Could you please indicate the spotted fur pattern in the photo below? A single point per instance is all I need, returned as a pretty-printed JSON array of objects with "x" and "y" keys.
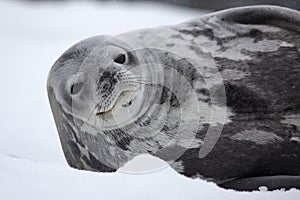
[{"x": 256, "y": 50}]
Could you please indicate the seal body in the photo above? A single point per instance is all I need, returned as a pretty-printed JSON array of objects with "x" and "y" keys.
[{"x": 217, "y": 97}]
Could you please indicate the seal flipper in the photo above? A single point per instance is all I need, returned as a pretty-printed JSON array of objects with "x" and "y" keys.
[{"x": 271, "y": 182}]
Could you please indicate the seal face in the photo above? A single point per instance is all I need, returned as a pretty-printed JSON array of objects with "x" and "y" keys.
[
  {"x": 216, "y": 97},
  {"x": 99, "y": 91}
]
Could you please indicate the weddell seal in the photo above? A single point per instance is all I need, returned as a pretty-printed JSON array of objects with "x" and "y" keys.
[{"x": 216, "y": 97}]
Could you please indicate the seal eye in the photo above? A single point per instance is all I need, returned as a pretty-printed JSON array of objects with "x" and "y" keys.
[
  {"x": 120, "y": 59},
  {"x": 75, "y": 88}
]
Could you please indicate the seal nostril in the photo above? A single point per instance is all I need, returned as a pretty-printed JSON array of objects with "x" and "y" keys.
[
  {"x": 120, "y": 59},
  {"x": 106, "y": 85},
  {"x": 105, "y": 74},
  {"x": 75, "y": 88}
]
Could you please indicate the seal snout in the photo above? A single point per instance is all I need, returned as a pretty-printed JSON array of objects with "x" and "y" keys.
[
  {"x": 112, "y": 88},
  {"x": 107, "y": 82},
  {"x": 106, "y": 91}
]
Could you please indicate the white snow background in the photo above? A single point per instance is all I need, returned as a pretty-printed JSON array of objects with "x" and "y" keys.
[{"x": 32, "y": 166}]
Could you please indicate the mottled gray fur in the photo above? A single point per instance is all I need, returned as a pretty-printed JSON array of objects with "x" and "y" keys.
[{"x": 256, "y": 52}]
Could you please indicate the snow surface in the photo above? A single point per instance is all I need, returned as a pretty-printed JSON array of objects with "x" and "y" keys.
[{"x": 32, "y": 165}]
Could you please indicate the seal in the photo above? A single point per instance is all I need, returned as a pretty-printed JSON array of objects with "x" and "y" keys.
[{"x": 216, "y": 97}]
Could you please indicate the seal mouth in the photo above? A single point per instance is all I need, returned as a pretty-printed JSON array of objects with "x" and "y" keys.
[
  {"x": 111, "y": 107},
  {"x": 105, "y": 112}
]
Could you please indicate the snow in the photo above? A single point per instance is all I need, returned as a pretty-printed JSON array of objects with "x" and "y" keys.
[{"x": 32, "y": 165}]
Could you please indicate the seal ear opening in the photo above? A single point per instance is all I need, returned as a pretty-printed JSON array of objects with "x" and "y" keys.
[{"x": 265, "y": 15}]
